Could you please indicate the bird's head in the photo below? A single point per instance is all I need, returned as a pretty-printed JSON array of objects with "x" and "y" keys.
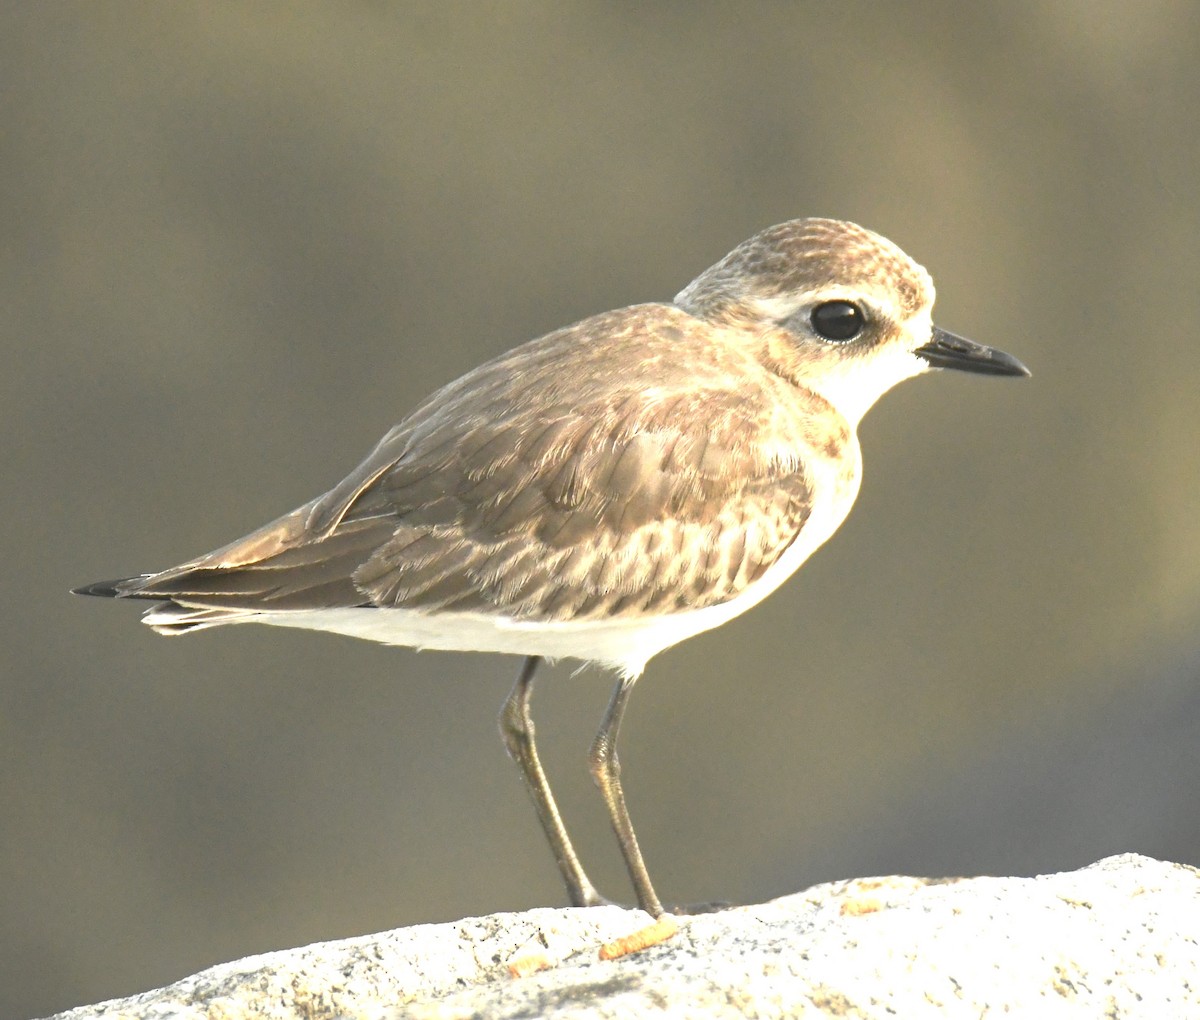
[{"x": 837, "y": 309}]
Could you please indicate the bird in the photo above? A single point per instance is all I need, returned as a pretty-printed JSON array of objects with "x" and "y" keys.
[{"x": 603, "y": 492}]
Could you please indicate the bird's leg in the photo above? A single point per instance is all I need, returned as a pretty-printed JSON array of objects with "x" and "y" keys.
[
  {"x": 516, "y": 726},
  {"x": 606, "y": 770}
]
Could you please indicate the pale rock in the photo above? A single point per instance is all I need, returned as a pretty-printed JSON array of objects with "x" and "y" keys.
[{"x": 1118, "y": 939}]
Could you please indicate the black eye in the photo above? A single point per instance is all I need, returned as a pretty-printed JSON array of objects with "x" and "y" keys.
[{"x": 838, "y": 320}]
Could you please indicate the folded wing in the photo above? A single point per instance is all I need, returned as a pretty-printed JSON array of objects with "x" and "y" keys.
[{"x": 521, "y": 492}]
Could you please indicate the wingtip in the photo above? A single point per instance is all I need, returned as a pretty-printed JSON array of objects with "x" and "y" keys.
[{"x": 102, "y": 589}]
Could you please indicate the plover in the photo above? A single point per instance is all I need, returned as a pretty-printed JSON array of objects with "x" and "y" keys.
[{"x": 605, "y": 491}]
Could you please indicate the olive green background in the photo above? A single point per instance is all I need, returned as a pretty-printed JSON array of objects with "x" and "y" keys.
[{"x": 241, "y": 240}]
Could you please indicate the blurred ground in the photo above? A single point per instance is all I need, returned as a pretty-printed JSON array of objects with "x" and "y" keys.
[{"x": 240, "y": 241}]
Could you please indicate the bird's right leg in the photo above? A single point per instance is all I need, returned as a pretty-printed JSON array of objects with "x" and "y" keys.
[{"x": 516, "y": 726}]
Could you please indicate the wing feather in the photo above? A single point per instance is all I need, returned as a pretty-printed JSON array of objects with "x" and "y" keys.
[
  {"x": 569, "y": 479},
  {"x": 620, "y": 516}
]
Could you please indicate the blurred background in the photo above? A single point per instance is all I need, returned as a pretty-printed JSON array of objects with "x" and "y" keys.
[{"x": 242, "y": 240}]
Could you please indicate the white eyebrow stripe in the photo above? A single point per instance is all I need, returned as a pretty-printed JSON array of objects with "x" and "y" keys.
[
  {"x": 784, "y": 306},
  {"x": 781, "y": 307}
]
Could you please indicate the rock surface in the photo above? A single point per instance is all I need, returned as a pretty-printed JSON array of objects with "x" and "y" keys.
[{"x": 1118, "y": 939}]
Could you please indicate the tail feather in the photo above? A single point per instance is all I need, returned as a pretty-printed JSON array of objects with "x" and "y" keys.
[{"x": 171, "y": 618}]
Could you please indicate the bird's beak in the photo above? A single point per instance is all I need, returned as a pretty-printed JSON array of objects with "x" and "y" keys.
[{"x": 945, "y": 350}]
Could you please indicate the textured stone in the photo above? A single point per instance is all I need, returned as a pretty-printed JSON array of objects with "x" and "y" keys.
[{"x": 1118, "y": 939}]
